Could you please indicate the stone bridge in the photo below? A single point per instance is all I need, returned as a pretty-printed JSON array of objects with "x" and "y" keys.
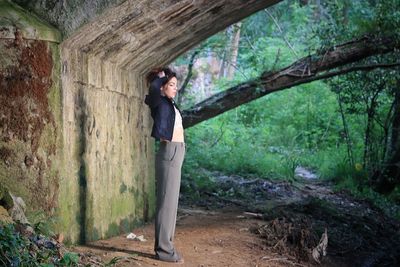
[{"x": 74, "y": 131}]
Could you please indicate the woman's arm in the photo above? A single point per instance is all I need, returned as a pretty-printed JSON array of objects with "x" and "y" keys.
[{"x": 154, "y": 97}]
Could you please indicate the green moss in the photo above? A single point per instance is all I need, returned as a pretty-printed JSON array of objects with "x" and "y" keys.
[
  {"x": 93, "y": 235},
  {"x": 132, "y": 190},
  {"x": 88, "y": 230},
  {"x": 112, "y": 230},
  {"x": 12, "y": 175},
  {"x": 68, "y": 241},
  {"x": 31, "y": 26},
  {"x": 5, "y": 198},
  {"x": 126, "y": 225},
  {"x": 123, "y": 188}
]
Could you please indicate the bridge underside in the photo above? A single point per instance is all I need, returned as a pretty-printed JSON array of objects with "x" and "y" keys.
[{"x": 106, "y": 177}]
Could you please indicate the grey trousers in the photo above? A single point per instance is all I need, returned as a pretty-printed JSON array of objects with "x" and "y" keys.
[{"x": 169, "y": 159}]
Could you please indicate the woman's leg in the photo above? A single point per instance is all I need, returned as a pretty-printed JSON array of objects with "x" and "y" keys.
[{"x": 168, "y": 176}]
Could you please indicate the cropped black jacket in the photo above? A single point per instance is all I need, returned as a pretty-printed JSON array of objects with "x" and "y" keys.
[{"x": 162, "y": 111}]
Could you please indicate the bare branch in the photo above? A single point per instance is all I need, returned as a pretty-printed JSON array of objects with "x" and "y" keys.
[{"x": 282, "y": 33}]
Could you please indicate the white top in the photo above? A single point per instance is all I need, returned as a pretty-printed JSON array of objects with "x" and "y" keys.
[
  {"x": 177, "y": 135},
  {"x": 178, "y": 119}
]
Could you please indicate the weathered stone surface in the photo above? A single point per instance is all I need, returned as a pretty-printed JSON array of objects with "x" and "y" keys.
[
  {"x": 68, "y": 15},
  {"x": 30, "y": 108},
  {"x": 17, "y": 212},
  {"x": 14, "y": 20}
]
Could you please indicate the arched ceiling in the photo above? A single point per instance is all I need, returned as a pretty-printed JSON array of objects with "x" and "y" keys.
[{"x": 137, "y": 35}]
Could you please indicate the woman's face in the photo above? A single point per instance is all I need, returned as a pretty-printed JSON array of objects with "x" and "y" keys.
[{"x": 170, "y": 88}]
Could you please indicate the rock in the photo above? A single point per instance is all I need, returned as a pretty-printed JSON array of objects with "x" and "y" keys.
[
  {"x": 4, "y": 216},
  {"x": 18, "y": 210},
  {"x": 304, "y": 173}
]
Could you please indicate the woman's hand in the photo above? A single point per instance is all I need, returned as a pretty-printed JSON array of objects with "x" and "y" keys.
[{"x": 161, "y": 74}]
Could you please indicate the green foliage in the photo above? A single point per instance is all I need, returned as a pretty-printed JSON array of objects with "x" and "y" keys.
[
  {"x": 69, "y": 259},
  {"x": 41, "y": 223},
  {"x": 13, "y": 249},
  {"x": 268, "y": 137},
  {"x": 17, "y": 250},
  {"x": 303, "y": 126},
  {"x": 388, "y": 17},
  {"x": 369, "y": 95}
]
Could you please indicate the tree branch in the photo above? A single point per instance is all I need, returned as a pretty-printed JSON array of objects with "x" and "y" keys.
[
  {"x": 190, "y": 70},
  {"x": 307, "y": 69},
  {"x": 282, "y": 33},
  {"x": 346, "y": 70}
]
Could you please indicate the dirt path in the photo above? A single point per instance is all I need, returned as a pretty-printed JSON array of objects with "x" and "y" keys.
[
  {"x": 204, "y": 238},
  {"x": 216, "y": 231}
]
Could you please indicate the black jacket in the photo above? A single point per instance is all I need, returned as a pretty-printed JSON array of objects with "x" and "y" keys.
[{"x": 162, "y": 111}]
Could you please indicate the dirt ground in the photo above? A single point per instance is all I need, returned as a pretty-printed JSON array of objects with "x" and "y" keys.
[
  {"x": 264, "y": 223},
  {"x": 204, "y": 238}
]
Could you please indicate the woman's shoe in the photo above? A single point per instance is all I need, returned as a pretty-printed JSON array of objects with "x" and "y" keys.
[{"x": 177, "y": 261}]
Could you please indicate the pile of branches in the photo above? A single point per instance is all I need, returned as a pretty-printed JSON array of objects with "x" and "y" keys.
[{"x": 294, "y": 237}]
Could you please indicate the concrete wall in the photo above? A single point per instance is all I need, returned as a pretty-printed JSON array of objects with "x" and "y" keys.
[
  {"x": 108, "y": 150},
  {"x": 30, "y": 109},
  {"x": 81, "y": 153}
]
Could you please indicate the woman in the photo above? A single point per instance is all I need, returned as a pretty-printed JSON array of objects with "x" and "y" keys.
[{"x": 168, "y": 129}]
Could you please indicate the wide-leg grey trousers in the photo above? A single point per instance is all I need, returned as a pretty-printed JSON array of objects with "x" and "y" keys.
[{"x": 169, "y": 159}]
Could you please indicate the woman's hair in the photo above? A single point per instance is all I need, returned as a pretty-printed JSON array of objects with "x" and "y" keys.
[{"x": 153, "y": 74}]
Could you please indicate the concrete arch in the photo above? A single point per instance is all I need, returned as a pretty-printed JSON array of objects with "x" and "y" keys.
[{"x": 103, "y": 67}]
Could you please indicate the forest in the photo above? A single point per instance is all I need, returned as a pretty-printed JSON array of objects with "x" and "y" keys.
[{"x": 342, "y": 124}]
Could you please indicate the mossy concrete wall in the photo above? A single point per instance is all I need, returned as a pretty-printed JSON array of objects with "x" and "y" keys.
[
  {"x": 108, "y": 150},
  {"x": 76, "y": 152},
  {"x": 30, "y": 109}
]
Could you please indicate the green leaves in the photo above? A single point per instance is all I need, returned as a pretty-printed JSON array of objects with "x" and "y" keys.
[
  {"x": 16, "y": 250},
  {"x": 70, "y": 259},
  {"x": 303, "y": 126}
]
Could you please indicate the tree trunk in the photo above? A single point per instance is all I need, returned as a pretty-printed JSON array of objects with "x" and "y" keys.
[
  {"x": 234, "y": 50},
  {"x": 385, "y": 180},
  {"x": 223, "y": 63},
  {"x": 305, "y": 70},
  {"x": 368, "y": 146},
  {"x": 345, "y": 11},
  {"x": 317, "y": 10},
  {"x": 346, "y": 132}
]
